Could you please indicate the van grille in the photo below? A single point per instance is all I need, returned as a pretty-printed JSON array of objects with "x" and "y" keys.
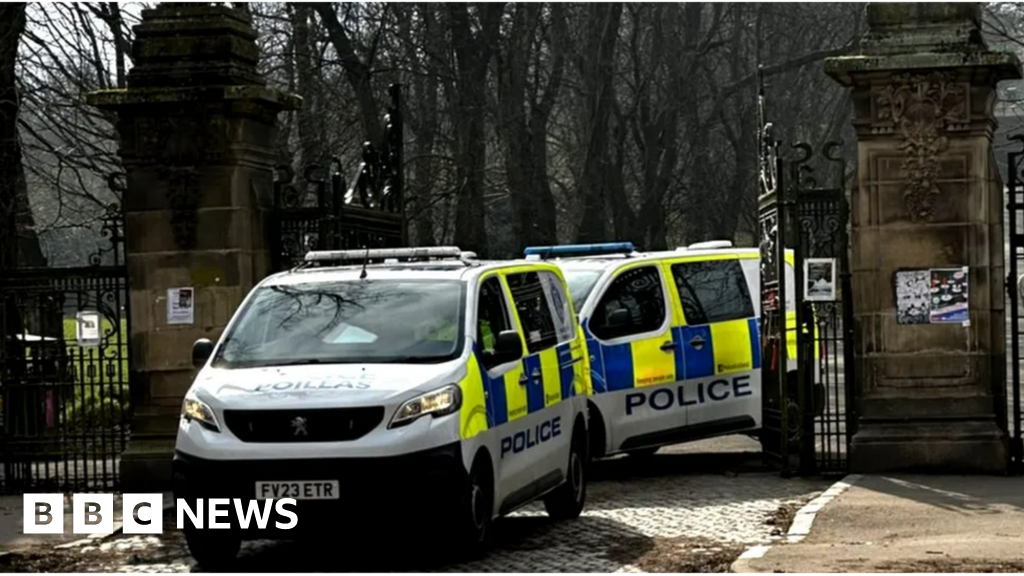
[{"x": 303, "y": 425}]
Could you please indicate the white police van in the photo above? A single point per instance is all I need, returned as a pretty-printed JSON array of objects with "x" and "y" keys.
[
  {"x": 674, "y": 340},
  {"x": 426, "y": 391}
]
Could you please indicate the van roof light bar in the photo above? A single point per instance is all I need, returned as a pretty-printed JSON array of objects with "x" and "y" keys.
[
  {"x": 424, "y": 253},
  {"x": 569, "y": 250}
]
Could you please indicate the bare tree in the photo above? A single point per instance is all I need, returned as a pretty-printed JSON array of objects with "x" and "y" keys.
[{"x": 19, "y": 243}]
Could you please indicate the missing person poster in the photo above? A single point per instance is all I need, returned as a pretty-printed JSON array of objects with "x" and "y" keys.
[
  {"x": 180, "y": 306},
  {"x": 87, "y": 329},
  {"x": 932, "y": 296},
  {"x": 820, "y": 279}
]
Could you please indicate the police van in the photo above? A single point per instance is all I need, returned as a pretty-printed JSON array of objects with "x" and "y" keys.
[
  {"x": 390, "y": 389},
  {"x": 673, "y": 338}
]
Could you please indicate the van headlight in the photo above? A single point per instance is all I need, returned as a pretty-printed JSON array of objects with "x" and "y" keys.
[
  {"x": 440, "y": 402},
  {"x": 195, "y": 409}
]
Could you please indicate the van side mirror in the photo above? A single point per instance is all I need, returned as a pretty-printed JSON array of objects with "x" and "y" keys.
[
  {"x": 508, "y": 347},
  {"x": 202, "y": 349},
  {"x": 619, "y": 318}
]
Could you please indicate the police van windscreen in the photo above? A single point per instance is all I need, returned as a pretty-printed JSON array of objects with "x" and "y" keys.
[
  {"x": 581, "y": 283},
  {"x": 359, "y": 321}
]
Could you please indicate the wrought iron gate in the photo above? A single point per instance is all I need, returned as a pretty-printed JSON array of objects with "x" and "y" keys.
[
  {"x": 806, "y": 339},
  {"x": 825, "y": 315},
  {"x": 772, "y": 222},
  {"x": 315, "y": 211},
  {"x": 1015, "y": 263},
  {"x": 64, "y": 372}
]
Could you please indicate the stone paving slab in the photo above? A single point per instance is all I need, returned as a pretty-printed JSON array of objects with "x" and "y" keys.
[{"x": 910, "y": 523}]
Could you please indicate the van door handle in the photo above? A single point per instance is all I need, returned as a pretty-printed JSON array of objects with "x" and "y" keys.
[
  {"x": 697, "y": 342},
  {"x": 523, "y": 379},
  {"x": 668, "y": 346}
]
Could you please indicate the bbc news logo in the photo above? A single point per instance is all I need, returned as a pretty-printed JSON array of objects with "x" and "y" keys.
[{"x": 144, "y": 513}]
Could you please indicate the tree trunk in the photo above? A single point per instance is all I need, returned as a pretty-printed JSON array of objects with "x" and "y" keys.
[
  {"x": 311, "y": 146},
  {"x": 356, "y": 70},
  {"x": 425, "y": 122},
  {"x": 472, "y": 55},
  {"x": 598, "y": 80},
  {"x": 523, "y": 119},
  {"x": 19, "y": 244}
]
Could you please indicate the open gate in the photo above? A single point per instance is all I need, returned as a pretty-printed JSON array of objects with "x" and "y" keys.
[
  {"x": 772, "y": 217},
  {"x": 64, "y": 372},
  {"x": 806, "y": 317},
  {"x": 316, "y": 211}
]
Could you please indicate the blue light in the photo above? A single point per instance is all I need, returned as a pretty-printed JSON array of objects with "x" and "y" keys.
[{"x": 580, "y": 249}]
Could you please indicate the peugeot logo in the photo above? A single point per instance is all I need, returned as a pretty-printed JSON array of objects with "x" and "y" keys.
[{"x": 299, "y": 424}]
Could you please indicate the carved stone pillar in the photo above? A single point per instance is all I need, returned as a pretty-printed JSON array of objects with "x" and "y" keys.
[
  {"x": 931, "y": 395},
  {"x": 196, "y": 127}
]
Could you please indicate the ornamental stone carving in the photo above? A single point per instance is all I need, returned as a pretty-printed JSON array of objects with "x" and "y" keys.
[{"x": 920, "y": 108}]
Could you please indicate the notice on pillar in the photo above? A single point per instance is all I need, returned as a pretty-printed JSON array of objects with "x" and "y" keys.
[
  {"x": 180, "y": 306},
  {"x": 932, "y": 296},
  {"x": 949, "y": 296}
]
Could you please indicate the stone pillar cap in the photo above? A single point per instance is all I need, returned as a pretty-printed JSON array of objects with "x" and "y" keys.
[
  {"x": 115, "y": 99},
  {"x": 1003, "y": 66}
]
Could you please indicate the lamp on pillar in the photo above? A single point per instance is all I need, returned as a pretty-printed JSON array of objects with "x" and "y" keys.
[
  {"x": 926, "y": 223},
  {"x": 196, "y": 129}
]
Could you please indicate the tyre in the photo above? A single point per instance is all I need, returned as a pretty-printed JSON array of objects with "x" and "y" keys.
[
  {"x": 643, "y": 452},
  {"x": 474, "y": 519},
  {"x": 567, "y": 501},
  {"x": 212, "y": 549}
]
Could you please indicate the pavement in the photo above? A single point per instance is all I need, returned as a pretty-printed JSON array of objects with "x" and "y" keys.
[{"x": 909, "y": 523}]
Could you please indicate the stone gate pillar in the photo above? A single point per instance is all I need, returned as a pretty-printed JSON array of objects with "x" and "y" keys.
[
  {"x": 196, "y": 127},
  {"x": 928, "y": 204}
]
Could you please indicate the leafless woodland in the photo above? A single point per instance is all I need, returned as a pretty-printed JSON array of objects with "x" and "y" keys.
[{"x": 525, "y": 123}]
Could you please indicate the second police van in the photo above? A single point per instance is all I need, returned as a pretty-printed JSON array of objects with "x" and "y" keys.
[
  {"x": 674, "y": 340},
  {"x": 428, "y": 392}
]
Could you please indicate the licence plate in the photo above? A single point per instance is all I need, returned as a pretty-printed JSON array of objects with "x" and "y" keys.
[{"x": 299, "y": 490}]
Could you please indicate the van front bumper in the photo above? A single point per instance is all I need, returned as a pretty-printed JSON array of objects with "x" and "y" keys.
[{"x": 388, "y": 492}]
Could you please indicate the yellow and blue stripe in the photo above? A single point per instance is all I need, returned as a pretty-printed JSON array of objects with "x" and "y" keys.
[
  {"x": 508, "y": 400},
  {"x": 643, "y": 363}
]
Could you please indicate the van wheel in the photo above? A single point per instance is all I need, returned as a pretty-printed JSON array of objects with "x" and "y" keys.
[
  {"x": 643, "y": 452},
  {"x": 211, "y": 549},
  {"x": 474, "y": 522},
  {"x": 567, "y": 501}
]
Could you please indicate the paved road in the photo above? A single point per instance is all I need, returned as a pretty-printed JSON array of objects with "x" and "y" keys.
[{"x": 666, "y": 513}]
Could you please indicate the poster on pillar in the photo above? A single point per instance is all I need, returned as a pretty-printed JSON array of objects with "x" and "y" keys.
[
  {"x": 180, "y": 306},
  {"x": 949, "y": 296},
  {"x": 932, "y": 296}
]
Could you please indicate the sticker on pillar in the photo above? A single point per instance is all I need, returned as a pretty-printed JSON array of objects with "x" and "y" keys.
[
  {"x": 180, "y": 306},
  {"x": 87, "y": 329},
  {"x": 820, "y": 279}
]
